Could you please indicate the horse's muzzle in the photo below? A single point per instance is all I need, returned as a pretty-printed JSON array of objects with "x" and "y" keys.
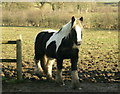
[{"x": 79, "y": 43}]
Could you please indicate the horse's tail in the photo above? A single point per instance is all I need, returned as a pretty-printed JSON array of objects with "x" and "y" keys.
[{"x": 39, "y": 54}]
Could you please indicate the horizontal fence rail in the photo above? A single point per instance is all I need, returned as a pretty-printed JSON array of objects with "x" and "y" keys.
[
  {"x": 8, "y": 60},
  {"x": 8, "y": 42},
  {"x": 18, "y": 59}
]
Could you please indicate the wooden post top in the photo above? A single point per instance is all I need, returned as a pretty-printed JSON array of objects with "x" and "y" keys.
[{"x": 20, "y": 37}]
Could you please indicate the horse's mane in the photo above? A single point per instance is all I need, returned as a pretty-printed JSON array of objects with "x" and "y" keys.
[
  {"x": 65, "y": 29},
  {"x": 58, "y": 36}
]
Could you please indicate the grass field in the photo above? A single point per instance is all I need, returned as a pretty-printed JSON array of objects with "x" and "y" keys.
[{"x": 98, "y": 54}]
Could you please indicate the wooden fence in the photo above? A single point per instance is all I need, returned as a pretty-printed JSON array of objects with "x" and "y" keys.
[{"x": 18, "y": 59}]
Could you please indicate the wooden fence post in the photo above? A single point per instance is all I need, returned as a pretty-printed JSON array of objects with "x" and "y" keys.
[{"x": 19, "y": 57}]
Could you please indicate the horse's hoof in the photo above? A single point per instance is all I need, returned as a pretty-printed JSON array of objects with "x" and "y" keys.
[
  {"x": 63, "y": 84},
  {"x": 50, "y": 79},
  {"x": 60, "y": 83},
  {"x": 76, "y": 86},
  {"x": 39, "y": 75}
]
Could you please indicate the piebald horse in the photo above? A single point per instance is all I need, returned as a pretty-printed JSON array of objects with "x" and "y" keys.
[{"x": 51, "y": 45}]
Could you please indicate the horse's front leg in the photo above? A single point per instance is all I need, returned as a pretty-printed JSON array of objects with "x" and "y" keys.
[
  {"x": 74, "y": 74},
  {"x": 59, "y": 79}
]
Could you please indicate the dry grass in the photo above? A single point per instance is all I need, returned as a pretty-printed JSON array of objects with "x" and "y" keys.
[{"x": 97, "y": 16}]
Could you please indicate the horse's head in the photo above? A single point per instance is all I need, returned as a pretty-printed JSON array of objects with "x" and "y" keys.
[{"x": 76, "y": 25}]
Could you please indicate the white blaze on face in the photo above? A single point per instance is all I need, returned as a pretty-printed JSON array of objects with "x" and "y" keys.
[{"x": 79, "y": 32}]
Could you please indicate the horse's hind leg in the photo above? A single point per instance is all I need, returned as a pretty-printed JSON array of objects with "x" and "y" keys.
[
  {"x": 39, "y": 70},
  {"x": 49, "y": 65},
  {"x": 46, "y": 64}
]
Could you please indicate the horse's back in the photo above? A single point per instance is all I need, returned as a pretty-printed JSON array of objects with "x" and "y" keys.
[{"x": 40, "y": 43}]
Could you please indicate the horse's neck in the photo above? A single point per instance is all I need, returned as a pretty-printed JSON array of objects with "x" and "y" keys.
[
  {"x": 58, "y": 36},
  {"x": 65, "y": 29}
]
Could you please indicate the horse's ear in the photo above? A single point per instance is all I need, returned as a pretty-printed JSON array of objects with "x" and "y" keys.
[
  {"x": 73, "y": 18},
  {"x": 81, "y": 19}
]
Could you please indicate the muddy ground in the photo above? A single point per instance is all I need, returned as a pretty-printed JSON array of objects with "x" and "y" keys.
[
  {"x": 90, "y": 81},
  {"x": 45, "y": 86}
]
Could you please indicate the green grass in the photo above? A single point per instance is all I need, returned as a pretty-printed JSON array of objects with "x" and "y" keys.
[
  {"x": 28, "y": 36},
  {"x": 100, "y": 49},
  {"x": 98, "y": 52}
]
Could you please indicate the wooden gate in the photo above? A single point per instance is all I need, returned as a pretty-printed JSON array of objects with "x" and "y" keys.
[{"x": 18, "y": 59}]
